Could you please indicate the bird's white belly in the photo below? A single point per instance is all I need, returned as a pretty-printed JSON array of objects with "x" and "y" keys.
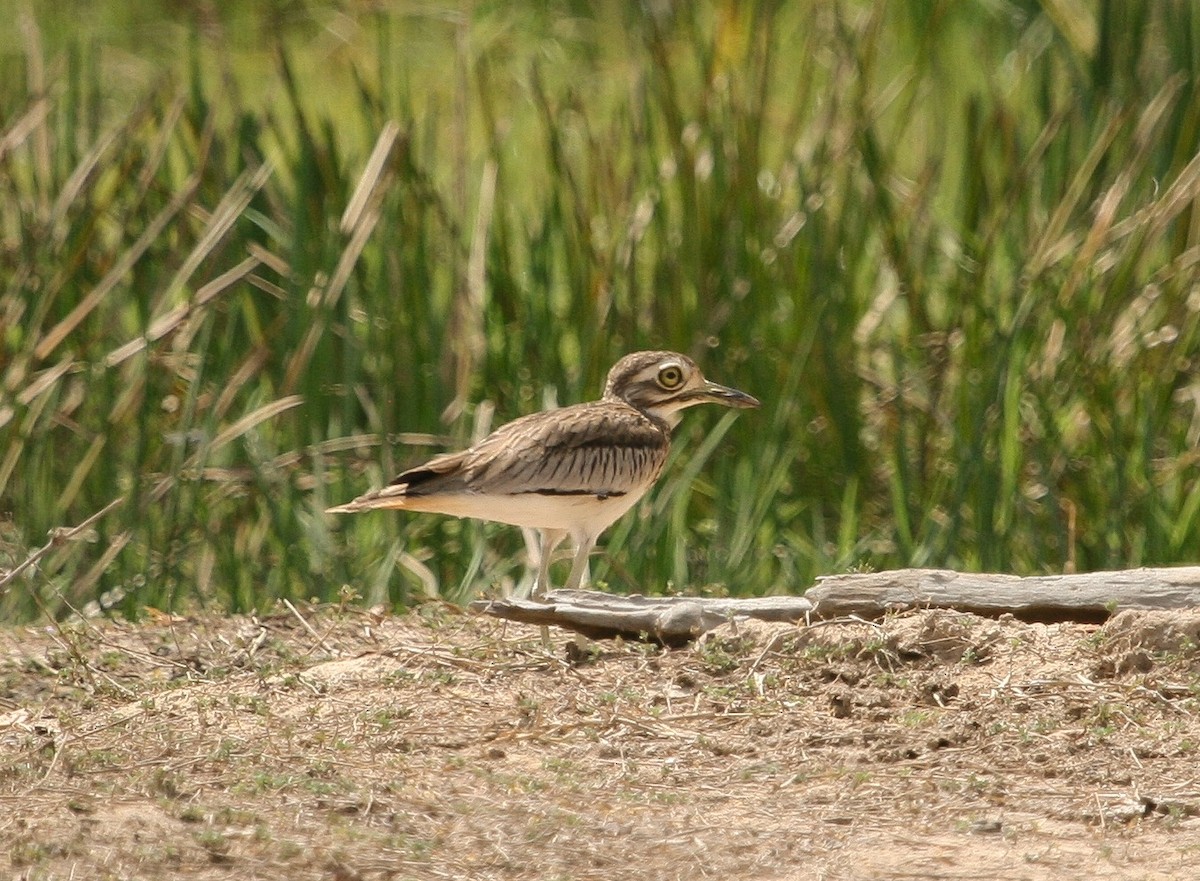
[{"x": 576, "y": 513}]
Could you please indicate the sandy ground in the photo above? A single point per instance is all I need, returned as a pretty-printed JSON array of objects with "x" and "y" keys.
[{"x": 440, "y": 744}]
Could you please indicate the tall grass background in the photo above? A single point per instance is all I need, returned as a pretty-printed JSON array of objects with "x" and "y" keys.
[{"x": 255, "y": 263}]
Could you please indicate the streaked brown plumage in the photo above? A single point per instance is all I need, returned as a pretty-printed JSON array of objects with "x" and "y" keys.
[{"x": 571, "y": 471}]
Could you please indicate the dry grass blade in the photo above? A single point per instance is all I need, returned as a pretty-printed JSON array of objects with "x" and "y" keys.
[
  {"x": 1153, "y": 217},
  {"x": 1101, "y": 229},
  {"x": 23, "y": 126},
  {"x": 369, "y": 182},
  {"x": 232, "y": 432},
  {"x": 249, "y": 421},
  {"x": 58, "y": 537},
  {"x": 124, "y": 264},
  {"x": 360, "y": 216},
  {"x": 88, "y": 166},
  {"x": 19, "y": 441},
  {"x": 45, "y": 380},
  {"x": 39, "y": 91},
  {"x": 1181, "y": 195},
  {"x": 1076, "y": 23},
  {"x": 80, "y": 473},
  {"x": 228, "y": 210},
  {"x": 312, "y": 632},
  {"x": 423, "y": 574},
  {"x": 157, "y": 152},
  {"x": 231, "y": 206},
  {"x": 87, "y": 582},
  {"x": 191, "y": 315},
  {"x": 247, "y": 371},
  {"x": 471, "y": 304},
  {"x": 1055, "y": 240},
  {"x": 276, "y": 263}
]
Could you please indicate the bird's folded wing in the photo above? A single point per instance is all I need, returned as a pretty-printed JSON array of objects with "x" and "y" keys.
[{"x": 588, "y": 449}]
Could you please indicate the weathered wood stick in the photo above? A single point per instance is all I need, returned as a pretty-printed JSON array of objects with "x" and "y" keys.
[
  {"x": 669, "y": 620},
  {"x": 1091, "y": 597},
  {"x": 1088, "y": 598}
]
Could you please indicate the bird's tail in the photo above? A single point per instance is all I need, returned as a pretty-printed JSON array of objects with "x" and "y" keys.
[{"x": 394, "y": 496}]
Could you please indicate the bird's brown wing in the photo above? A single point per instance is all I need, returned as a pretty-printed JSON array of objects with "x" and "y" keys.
[
  {"x": 603, "y": 449},
  {"x": 600, "y": 448}
]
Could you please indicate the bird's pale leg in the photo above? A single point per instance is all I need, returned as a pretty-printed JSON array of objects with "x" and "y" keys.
[
  {"x": 579, "y": 566},
  {"x": 580, "y": 576},
  {"x": 550, "y": 539}
]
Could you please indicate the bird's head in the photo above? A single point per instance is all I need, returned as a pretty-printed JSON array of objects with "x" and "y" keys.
[{"x": 662, "y": 384}]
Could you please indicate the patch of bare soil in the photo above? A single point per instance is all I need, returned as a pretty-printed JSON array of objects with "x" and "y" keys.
[{"x": 444, "y": 745}]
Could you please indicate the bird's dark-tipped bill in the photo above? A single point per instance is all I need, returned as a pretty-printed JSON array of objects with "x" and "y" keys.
[{"x": 730, "y": 397}]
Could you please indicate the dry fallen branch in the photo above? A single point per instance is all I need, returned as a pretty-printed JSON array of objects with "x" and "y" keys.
[
  {"x": 677, "y": 620},
  {"x": 1087, "y": 598},
  {"x": 670, "y": 620}
]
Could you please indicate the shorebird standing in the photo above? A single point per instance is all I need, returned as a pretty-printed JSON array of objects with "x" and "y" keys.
[{"x": 572, "y": 471}]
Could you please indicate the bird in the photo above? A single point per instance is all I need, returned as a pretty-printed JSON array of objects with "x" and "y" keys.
[{"x": 567, "y": 472}]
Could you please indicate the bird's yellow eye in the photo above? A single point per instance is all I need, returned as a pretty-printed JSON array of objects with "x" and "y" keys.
[{"x": 670, "y": 377}]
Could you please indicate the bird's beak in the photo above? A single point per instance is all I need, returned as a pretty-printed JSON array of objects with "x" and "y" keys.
[{"x": 729, "y": 397}]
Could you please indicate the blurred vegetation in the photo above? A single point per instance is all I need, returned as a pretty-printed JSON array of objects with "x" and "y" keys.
[{"x": 254, "y": 263}]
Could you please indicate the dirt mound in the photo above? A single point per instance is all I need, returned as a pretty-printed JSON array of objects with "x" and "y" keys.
[
  {"x": 440, "y": 745},
  {"x": 1132, "y": 641}
]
